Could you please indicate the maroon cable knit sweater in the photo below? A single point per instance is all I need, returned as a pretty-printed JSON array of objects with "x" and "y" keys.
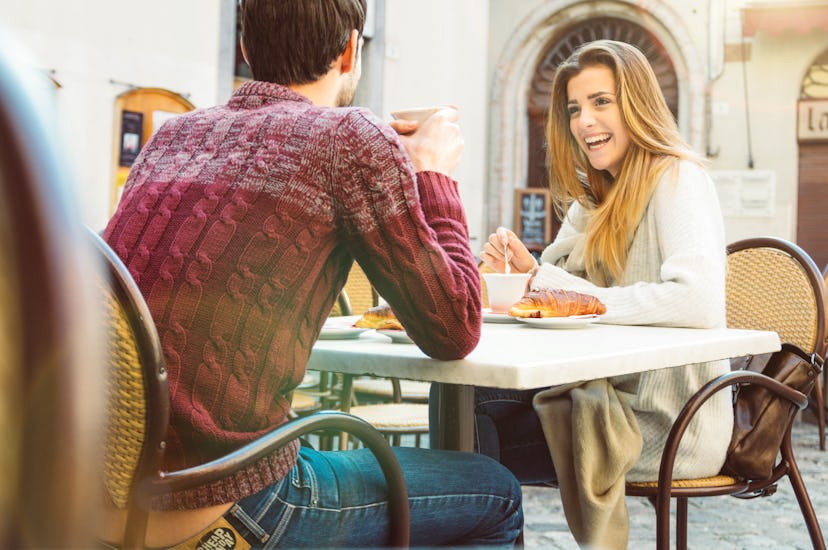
[{"x": 240, "y": 223}]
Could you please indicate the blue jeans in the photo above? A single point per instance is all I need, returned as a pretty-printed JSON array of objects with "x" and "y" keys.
[
  {"x": 338, "y": 498},
  {"x": 507, "y": 429}
]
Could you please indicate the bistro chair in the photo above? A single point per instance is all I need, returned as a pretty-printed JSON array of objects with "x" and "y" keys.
[
  {"x": 390, "y": 413},
  {"x": 383, "y": 390},
  {"x": 660, "y": 492},
  {"x": 825, "y": 280},
  {"x": 361, "y": 296},
  {"x": 49, "y": 363},
  {"x": 393, "y": 419},
  {"x": 483, "y": 267},
  {"x": 138, "y": 416},
  {"x": 769, "y": 287},
  {"x": 773, "y": 284}
]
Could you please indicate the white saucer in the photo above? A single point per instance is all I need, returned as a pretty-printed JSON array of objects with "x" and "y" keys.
[
  {"x": 573, "y": 321},
  {"x": 340, "y": 328},
  {"x": 340, "y": 333},
  {"x": 491, "y": 317},
  {"x": 397, "y": 336}
]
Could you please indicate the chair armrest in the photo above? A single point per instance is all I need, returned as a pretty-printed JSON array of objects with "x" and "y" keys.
[
  {"x": 668, "y": 456},
  {"x": 328, "y": 420},
  {"x": 692, "y": 406}
]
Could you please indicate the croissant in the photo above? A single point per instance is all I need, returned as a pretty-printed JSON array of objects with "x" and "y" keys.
[
  {"x": 379, "y": 317},
  {"x": 557, "y": 303}
]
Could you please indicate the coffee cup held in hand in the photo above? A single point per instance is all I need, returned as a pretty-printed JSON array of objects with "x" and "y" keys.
[
  {"x": 417, "y": 115},
  {"x": 505, "y": 290}
]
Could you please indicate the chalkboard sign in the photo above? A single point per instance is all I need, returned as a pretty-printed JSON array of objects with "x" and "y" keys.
[{"x": 533, "y": 217}]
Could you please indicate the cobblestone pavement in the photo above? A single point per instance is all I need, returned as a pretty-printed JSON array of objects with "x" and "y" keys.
[{"x": 713, "y": 522}]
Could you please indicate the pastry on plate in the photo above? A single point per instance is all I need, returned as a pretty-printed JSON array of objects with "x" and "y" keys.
[
  {"x": 557, "y": 303},
  {"x": 379, "y": 317}
]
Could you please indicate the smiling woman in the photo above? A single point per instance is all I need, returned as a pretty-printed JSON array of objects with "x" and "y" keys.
[{"x": 641, "y": 232}]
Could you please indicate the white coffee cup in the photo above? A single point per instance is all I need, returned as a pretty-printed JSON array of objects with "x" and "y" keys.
[
  {"x": 417, "y": 115},
  {"x": 505, "y": 290}
]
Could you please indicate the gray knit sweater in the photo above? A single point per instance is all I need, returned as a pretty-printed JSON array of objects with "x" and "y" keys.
[{"x": 674, "y": 276}]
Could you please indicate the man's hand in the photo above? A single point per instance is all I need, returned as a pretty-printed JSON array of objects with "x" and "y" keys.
[{"x": 435, "y": 144}]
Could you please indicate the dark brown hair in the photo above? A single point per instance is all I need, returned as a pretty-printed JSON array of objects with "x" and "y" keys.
[{"x": 295, "y": 41}]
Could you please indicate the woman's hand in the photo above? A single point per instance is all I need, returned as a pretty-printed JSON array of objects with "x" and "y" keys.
[{"x": 504, "y": 242}]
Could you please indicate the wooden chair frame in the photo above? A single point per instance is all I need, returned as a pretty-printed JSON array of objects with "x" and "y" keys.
[
  {"x": 787, "y": 466},
  {"x": 394, "y": 433},
  {"x": 150, "y": 480},
  {"x": 666, "y": 489}
]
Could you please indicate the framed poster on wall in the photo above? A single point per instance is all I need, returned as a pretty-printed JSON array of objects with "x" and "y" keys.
[
  {"x": 533, "y": 217},
  {"x": 132, "y": 130}
]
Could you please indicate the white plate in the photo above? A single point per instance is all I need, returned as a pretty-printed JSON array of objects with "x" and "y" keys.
[
  {"x": 573, "y": 321},
  {"x": 491, "y": 317},
  {"x": 397, "y": 336},
  {"x": 340, "y": 333},
  {"x": 340, "y": 328}
]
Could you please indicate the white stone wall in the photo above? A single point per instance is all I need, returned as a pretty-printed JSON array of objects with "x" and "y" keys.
[
  {"x": 96, "y": 48},
  {"x": 436, "y": 53},
  {"x": 774, "y": 75}
]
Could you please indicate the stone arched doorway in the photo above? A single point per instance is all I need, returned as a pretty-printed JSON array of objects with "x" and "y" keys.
[
  {"x": 811, "y": 231},
  {"x": 656, "y": 29}
]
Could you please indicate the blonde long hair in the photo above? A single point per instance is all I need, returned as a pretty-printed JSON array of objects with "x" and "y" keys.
[{"x": 617, "y": 204}]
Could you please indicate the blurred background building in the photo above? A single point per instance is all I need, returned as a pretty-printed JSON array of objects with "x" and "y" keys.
[{"x": 747, "y": 81}]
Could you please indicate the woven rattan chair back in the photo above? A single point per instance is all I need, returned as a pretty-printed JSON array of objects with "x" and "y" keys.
[
  {"x": 484, "y": 268},
  {"x": 139, "y": 416},
  {"x": 825, "y": 287},
  {"x": 773, "y": 284},
  {"x": 125, "y": 431},
  {"x": 359, "y": 292},
  {"x": 137, "y": 392}
]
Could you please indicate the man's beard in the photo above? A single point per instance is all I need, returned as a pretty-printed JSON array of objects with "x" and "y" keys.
[{"x": 346, "y": 93}]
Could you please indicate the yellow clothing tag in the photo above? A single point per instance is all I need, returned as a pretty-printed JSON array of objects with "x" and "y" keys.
[{"x": 220, "y": 535}]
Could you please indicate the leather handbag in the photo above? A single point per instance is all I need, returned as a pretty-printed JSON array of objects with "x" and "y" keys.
[{"x": 761, "y": 417}]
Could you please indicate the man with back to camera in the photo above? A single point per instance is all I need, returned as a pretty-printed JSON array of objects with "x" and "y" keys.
[{"x": 239, "y": 224}]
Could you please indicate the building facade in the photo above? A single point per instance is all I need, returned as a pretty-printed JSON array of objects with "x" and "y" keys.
[{"x": 746, "y": 80}]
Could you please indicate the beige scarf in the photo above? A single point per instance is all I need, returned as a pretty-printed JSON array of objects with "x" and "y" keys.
[
  {"x": 594, "y": 440},
  {"x": 592, "y": 435}
]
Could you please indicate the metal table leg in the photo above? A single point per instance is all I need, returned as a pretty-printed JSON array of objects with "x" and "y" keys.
[{"x": 455, "y": 413}]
